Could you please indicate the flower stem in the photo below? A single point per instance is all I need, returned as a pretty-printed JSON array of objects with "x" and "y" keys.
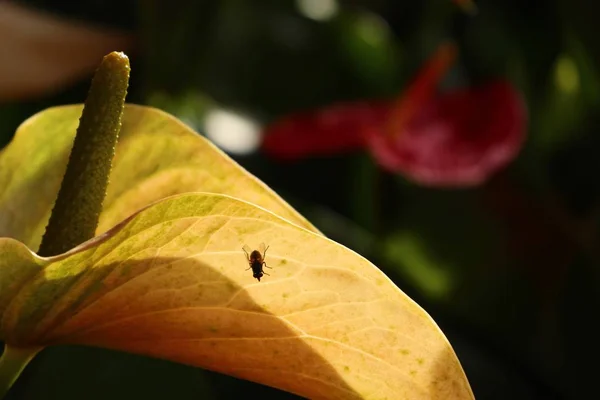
[
  {"x": 12, "y": 363},
  {"x": 74, "y": 218}
]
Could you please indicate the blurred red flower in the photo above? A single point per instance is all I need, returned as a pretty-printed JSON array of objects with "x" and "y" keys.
[
  {"x": 336, "y": 129},
  {"x": 458, "y": 139},
  {"x": 451, "y": 140}
]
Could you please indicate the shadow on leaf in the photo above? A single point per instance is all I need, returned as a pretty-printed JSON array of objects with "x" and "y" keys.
[{"x": 210, "y": 323}]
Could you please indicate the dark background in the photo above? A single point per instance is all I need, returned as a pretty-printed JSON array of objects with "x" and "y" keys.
[{"x": 509, "y": 269}]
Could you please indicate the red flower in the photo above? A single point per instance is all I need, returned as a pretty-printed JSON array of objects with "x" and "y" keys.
[
  {"x": 456, "y": 139},
  {"x": 339, "y": 128}
]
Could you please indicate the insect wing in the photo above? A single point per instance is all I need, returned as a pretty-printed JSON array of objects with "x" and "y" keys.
[
  {"x": 262, "y": 248},
  {"x": 247, "y": 250}
]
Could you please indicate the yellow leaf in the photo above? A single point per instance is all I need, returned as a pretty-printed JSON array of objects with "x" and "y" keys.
[
  {"x": 172, "y": 282},
  {"x": 157, "y": 156}
]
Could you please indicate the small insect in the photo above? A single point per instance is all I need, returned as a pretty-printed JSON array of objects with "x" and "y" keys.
[{"x": 256, "y": 260}]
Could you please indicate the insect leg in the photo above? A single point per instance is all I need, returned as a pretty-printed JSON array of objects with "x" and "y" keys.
[
  {"x": 247, "y": 255},
  {"x": 265, "y": 252},
  {"x": 265, "y": 264}
]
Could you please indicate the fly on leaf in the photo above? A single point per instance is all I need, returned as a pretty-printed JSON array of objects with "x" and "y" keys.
[{"x": 256, "y": 260}]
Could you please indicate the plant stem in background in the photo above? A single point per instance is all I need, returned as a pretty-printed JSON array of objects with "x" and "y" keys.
[
  {"x": 366, "y": 196},
  {"x": 77, "y": 209},
  {"x": 12, "y": 363}
]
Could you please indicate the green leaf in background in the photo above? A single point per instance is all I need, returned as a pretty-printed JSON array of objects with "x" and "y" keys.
[
  {"x": 368, "y": 43},
  {"x": 417, "y": 263},
  {"x": 573, "y": 94}
]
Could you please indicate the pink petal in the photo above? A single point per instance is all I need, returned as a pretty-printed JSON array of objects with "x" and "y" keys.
[
  {"x": 342, "y": 127},
  {"x": 337, "y": 129},
  {"x": 458, "y": 139}
]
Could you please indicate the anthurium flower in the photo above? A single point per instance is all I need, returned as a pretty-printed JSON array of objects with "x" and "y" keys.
[
  {"x": 454, "y": 139},
  {"x": 165, "y": 275},
  {"x": 458, "y": 139},
  {"x": 337, "y": 129}
]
